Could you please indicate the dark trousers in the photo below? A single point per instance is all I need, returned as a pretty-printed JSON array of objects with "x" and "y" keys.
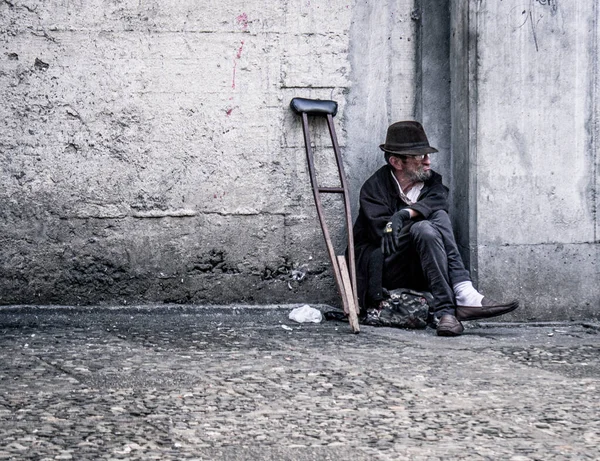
[{"x": 427, "y": 259}]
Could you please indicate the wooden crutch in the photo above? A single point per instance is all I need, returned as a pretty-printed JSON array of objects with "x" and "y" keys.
[{"x": 344, "y": 274}]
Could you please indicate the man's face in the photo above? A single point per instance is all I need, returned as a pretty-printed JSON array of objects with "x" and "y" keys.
[{"x": 416, "y": 167}]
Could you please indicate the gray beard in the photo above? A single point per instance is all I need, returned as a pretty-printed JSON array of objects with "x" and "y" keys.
[{"x": 421, "y": 175}]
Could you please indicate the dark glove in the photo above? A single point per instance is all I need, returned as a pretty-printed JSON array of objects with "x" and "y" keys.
[{"x": 391, "y": 232}]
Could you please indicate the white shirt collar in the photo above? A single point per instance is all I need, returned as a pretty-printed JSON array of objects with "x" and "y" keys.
[{"x": 412, "y": 195}]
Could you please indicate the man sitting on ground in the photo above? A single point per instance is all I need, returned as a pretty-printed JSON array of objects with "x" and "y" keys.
[{"x": 404, "y": 239}]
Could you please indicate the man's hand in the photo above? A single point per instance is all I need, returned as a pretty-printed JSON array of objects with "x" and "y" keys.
[{"x": 391, "y": 233}]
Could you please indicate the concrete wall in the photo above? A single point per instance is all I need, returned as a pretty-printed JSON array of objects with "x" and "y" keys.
[
  {"x": 463, "y": 102},
  {"x": 525, "y": 146},
  {"x": 384, "y": 75},
  {"x": 433, "y": 80},
  {"x": 148, "y": 152}
]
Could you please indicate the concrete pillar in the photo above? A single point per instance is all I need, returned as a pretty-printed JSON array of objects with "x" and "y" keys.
[
  {"x": 463, "y": 153},
  {"x": 525, "y": 133},
  {"x": 432, "y": 102}
]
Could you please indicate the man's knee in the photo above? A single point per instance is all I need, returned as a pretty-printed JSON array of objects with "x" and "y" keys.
[
  {"x": 439, "y": 215},
  {"x": 441, "y": 220},
  {"x": 425, "y": 231}
]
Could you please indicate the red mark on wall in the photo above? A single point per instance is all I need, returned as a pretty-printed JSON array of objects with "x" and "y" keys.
[
  {"x": 242, "y": 20},
  {"x": 235, "y": 60}
]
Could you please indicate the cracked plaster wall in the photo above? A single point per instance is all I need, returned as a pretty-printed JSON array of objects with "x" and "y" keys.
[
  {"x": 148, "y": 153},
  {"x": 525, "y": 145}
]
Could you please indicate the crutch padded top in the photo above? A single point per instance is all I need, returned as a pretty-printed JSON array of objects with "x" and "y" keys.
[{"x": 313, "y": 106}]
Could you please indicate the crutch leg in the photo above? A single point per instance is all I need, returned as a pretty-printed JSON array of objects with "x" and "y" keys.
[{"x": 345, "y": 277}]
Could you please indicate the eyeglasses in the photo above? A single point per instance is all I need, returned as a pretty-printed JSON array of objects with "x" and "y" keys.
[{"x": 419, "y": 157}]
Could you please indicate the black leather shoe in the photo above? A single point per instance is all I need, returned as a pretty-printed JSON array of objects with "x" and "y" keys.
[
  {"x": 449, "y": 326},
  {"x": 487, "y": 310}
]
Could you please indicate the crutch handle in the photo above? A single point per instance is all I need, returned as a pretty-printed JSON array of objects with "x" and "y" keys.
[{"x": 314, "y": 106}]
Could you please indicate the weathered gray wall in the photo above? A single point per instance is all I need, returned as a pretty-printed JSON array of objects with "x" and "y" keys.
[
  {"x": 433, "y": 80},
  {"x": 525, "y": 146},
  {"x": 383, "y": 52},
  {"x": 148, "y": 152},
  {"x": 462, "y": 57}
]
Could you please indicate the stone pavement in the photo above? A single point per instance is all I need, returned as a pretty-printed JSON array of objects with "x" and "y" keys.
[{"x": 234, "y": 384}]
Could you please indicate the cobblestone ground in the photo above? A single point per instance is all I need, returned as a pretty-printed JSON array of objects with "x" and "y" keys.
[{"x": 234, "y": 384}]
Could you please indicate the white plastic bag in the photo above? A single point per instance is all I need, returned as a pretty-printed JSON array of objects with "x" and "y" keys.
[{"x": 306, "y": 314}]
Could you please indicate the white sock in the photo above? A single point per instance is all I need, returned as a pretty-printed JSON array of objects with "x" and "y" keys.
[{"x": 466, "y": 294}]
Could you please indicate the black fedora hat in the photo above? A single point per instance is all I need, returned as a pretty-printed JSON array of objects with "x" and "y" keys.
[{"x": 407, "y": 138}]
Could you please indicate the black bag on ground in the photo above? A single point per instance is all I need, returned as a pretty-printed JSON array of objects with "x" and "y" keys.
[{"x": 403, "y": 308}]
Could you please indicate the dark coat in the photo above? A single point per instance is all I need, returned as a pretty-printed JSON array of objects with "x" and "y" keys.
[{"x": 379, "y": 200}]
